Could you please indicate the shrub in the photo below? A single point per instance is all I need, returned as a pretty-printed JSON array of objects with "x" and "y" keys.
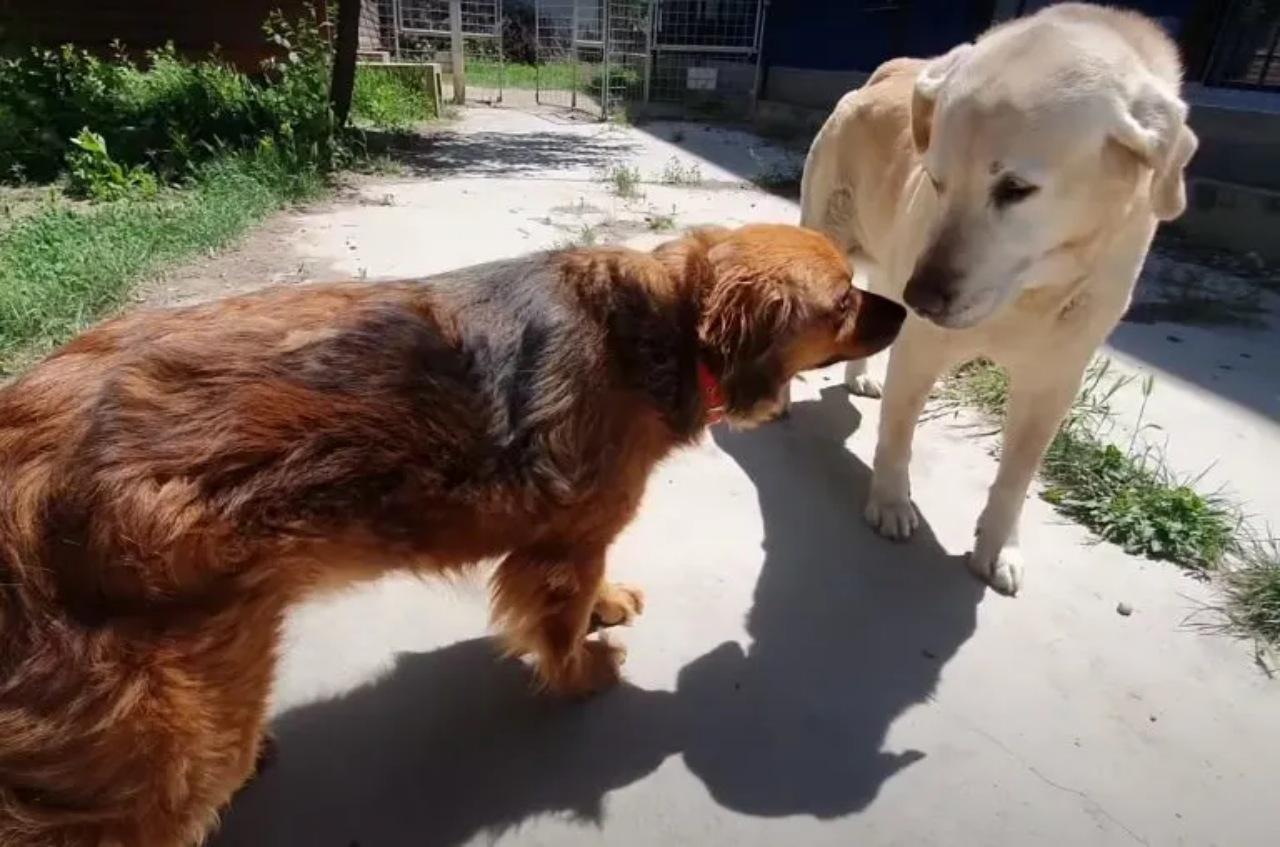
[{"x": 169, "y": 114}]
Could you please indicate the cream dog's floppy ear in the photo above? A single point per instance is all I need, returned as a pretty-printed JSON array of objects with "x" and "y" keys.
[
  {"x": 1153, "y": 124},
  {"x": 928, "y": 87}
]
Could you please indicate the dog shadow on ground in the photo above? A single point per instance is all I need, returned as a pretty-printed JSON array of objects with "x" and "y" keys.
[{"x": 848, "y": 631}]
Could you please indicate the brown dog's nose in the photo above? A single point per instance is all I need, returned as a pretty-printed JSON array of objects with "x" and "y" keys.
[{"x": 878, "y": 323}]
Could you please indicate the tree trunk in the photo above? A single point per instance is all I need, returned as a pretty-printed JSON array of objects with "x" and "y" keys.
[{"x": 345, "y": 46}]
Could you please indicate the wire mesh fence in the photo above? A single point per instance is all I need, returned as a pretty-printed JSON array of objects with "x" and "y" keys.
[
  {"x": 424, "y": 31},
  {"x": 602, "y": 57},
  {"x": 569, "y": 54},
  {"x": 706, "y": 54}
]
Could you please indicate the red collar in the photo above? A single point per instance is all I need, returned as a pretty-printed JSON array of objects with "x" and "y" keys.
[{"x": 712, "y": 396}]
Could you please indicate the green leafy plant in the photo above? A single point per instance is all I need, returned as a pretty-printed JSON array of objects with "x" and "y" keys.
[
  {"x": 1124, "y": 494},
  {"x": 169, "y": 114},
  {"x": 95, "y": 175}
]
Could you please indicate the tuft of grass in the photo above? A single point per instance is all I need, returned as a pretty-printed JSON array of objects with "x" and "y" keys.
[
  {"x": 625, "y": 181},
  {"x": 1123, "y": 493},
  {"x": 392, "y": 98},
  {"x": 677, "y": 173},
  {"x": 587, "y": 235},
  {"x": 661, "y": 222},
  {"x": 65, "y": 266},
  {"x": 1251, "y": 597}
]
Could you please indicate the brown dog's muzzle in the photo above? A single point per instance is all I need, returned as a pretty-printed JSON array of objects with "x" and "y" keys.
[{"x": 877, "y": 325}]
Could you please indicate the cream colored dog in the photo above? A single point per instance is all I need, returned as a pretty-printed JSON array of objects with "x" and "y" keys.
[{"x": 1008, "y": 193}]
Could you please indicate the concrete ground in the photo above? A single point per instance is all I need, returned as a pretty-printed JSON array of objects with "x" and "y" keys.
[{"x": 795, "y": 679}]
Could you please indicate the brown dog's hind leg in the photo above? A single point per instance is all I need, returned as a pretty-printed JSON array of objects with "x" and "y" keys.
[{"x": 543, "y": 599}]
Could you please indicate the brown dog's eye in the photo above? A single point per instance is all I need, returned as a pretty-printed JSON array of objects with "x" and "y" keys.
[
  {"x": 845, "y": 304},
  {"x": 1009, "y": 190}
]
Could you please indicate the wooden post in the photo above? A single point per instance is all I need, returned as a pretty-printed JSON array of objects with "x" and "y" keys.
[{"x": 457, "y": 49}]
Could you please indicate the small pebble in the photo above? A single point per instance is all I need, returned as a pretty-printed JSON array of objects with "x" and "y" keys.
[{"x": 1124, "y": 609}]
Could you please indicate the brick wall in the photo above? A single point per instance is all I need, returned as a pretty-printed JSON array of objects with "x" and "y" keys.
[{"x": 195, "y": 28}]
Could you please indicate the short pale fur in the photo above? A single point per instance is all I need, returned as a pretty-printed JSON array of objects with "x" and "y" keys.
[{"x": 1080, "y": 105}]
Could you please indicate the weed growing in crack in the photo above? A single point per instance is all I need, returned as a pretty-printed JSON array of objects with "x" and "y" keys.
[
  {"x": 677, "y": 173},
  {"x": 625, "y": 181}
]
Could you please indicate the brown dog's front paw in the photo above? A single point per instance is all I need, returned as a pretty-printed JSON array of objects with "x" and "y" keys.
[
  {"x": 617, "y": 605},
  {"x": 596, "y": 668}
]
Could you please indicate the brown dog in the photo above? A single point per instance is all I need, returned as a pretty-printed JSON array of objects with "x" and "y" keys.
[{"x": 173, "y": 481}]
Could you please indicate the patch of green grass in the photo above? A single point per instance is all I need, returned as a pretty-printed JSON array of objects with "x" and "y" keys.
[
  {"x": 1251, "y": 592},
  {"x": 164, "y": 117},
  {"x": 393, "y": 98},
  {"x": 1124, "y": 494},
  {"x": 587, "y": 77},
  {"x": 1128, "y": 496},
  {"x": 65, "y": 266}
]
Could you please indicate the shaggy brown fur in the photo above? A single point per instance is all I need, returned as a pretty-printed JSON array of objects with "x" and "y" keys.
[{"x": 171, "y": 482}]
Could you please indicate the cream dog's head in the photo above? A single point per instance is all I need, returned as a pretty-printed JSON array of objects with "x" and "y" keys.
[{"x": 1036, "y": 144}]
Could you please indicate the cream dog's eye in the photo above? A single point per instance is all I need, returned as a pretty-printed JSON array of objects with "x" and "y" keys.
[{"x": 1010, "y": 189}]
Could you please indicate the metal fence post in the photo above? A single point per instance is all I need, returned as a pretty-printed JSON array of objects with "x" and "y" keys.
[
  {"x": 648, "y": 47},
  {"x": 762, "y": 10},
  {"x": 501, "y": 35},
  {"x": 395, "y": 26},
  {"x": 606, "y": 44},
  {"x": 573, "y": 56},
  {"x": 457, "y": 49}
]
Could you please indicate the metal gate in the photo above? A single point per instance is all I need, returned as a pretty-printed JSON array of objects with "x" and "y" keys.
[
  {"x": 666, "y": 56},
  {"x": 437, "y": 30},
  {"x": 706, "y": 56},
  {"x": 602, "y": 57}
]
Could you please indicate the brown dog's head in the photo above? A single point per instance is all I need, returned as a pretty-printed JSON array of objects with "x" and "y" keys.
[{"x": 774, "y": 301}]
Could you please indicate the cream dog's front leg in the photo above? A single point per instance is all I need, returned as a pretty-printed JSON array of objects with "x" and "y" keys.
[
  {"x": 916, "y": 361},
  {"x": 1038, "y": 401}
]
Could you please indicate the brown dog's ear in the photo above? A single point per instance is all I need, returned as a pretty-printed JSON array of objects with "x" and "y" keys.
[
  {"x": 744, "y": 323},
  {"x": 928, "y": 87},
  {"x": 1152, "y": 124}
]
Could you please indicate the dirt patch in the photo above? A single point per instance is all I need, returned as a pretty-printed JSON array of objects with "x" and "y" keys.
[
  {"x": 267, "y": 256},
  {"x": 19, "y": 202}
]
